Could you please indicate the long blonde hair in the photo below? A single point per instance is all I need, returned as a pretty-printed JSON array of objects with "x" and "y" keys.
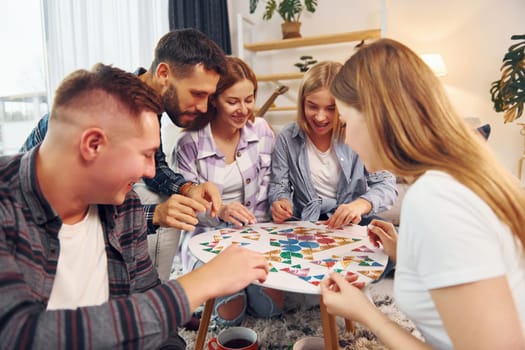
[
  {"x": 415, "y": 128},
  {"x": 321, "y": 75}
]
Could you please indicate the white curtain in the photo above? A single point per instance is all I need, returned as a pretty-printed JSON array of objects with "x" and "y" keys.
[{"x": 80, "y": 33}]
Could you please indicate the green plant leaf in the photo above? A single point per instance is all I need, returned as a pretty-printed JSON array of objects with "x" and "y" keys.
[
  {"x": 508, "y": 93},
  {"x": 310, "y": 5},
  {"x": 289, "y": 10},
  {"x": 271, "y": 5},
  {"x": 253, "y": 5}
]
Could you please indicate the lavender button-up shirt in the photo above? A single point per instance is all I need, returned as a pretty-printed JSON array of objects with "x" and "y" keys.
[{"x": 199, "y": 160}]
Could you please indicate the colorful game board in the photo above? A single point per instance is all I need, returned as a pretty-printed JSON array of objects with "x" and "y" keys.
[{"x": 300, "y": 253}]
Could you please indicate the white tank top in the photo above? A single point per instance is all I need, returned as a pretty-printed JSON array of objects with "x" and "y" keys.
[
  {"x": 232, "y": 189},
  {"x": 82, "y": 271}
]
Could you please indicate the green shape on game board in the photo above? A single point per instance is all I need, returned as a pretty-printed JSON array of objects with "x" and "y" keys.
[
  {"x": 273, "y": 269},
  {"x": 296, "y": 266},
  {"x": 275, "y": 244},
  {"x": 286, "y": 255},
  {"x": 208, "y": 249},
  {"x": 338, "y": 270},
  {"x": 297, "y": 255},
  {"x": 205, "y": 243},
  {"x": 356, "y": 239},
  {"x": 215, "y": 251},
  {"x": 287, "y": 262},
  {"x": 364, "y": 263}
]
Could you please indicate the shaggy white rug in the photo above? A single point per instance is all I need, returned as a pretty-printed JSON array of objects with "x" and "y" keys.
[{"x": 282, "y": 332}]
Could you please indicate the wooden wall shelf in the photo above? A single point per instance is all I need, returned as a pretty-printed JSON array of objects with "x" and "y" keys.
[
  {"x": 281, "y": 76},
  {"x": 283, "y": 108},
  {"x": 314, "y": 40}
]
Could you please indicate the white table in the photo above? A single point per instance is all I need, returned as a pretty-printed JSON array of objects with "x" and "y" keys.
[{"x": 300, "y": 255}]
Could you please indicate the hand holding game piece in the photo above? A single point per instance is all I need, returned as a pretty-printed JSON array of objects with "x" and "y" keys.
[
  {"x": 385, "y": 233},
  {"x": 206, "y": 194},
  {"x": 350, "y": 278},
  {"x": 237, "y": 214},
  {"x": 349, "y": 213},
  {"x": 179, "y": 212},
  {"x": 344, "y": 299},
  {"x": 281, "y": 210},
  {"x": 225, "y": 274}
]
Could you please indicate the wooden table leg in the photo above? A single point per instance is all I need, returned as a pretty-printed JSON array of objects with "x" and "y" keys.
[
  {"x": 331, "y": 341},
  {"x": 349, "y": 326},
  {"x": 204, "y": 323}
]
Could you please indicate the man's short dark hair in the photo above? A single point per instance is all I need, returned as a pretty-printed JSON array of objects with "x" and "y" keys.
[
  {"x": 127, "y": 88},
  {"x": 182, "y": 49}
]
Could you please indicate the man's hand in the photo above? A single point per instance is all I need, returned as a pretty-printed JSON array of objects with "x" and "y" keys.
[
  {"x": 230, "y": 271},
  {"x": 179, "y": 212},
  {"x": 205, "y": 194},
  {"x": 349, "y": 213},
  {"x": 281, "y": 210}
]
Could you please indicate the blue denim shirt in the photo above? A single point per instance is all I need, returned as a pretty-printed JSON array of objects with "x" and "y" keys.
[{"x": 291, "y": 178}]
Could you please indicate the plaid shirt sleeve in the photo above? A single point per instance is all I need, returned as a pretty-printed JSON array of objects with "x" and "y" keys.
[
  {"x": 149, "y": 210},
  {"x": 139, "y": 315},
  {"x": 166, "y": 181},
  {"x": 37, "y": 135}
]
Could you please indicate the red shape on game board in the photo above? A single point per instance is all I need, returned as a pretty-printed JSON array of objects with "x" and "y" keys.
[{"x": 326, "y": 240}]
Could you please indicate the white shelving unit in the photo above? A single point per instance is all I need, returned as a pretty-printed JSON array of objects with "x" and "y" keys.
[{"x": 248, "y": 50}]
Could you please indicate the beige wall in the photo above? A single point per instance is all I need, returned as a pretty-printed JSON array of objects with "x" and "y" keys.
[{"x": 471, "y": 35}]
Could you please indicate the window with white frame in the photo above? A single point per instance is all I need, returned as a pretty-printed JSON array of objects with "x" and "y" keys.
[
  {"x": 45, "y": 40},
  {"x": 23, "y": 96}
]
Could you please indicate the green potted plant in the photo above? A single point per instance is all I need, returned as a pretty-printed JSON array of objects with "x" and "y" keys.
[
  {"x": 305, "y": 63},
  {"x": 508, "y": 93},
  {"x": 289, "y": 10}
]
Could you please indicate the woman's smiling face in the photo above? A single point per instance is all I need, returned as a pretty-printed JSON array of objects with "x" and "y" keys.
[
  {"x": 235, "y": 105},
  {"x": 320, "y": 111}
]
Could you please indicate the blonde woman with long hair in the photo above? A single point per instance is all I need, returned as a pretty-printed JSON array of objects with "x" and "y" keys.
[
  {"x": 314, "y": 175},
  {"x": 460, "y": 265}
]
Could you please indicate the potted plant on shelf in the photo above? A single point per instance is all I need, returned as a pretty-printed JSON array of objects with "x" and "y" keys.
[
  {"x": 289, "y": 10},
  {"x": 305, "y": 63},
  {"x": 508, "y": 93}
]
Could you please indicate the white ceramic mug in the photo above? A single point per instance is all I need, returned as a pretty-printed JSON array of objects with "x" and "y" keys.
[
  {"x": 309, "y": 343},
  {"x": 234, "y": 338}
]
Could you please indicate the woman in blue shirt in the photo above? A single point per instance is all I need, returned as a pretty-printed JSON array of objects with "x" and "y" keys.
[{"x": 315, "y": 176}]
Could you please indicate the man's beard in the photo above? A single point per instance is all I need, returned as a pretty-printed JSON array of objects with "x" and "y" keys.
[{"x": 170, "y": 100}]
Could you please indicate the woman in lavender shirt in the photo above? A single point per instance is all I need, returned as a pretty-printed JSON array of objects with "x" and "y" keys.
[{"x": 231, "y": 148}]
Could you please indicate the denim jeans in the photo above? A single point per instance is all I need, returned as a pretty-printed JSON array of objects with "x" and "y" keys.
[
  {"x": 256, "y": 303},
  {"x": 162, "y": 245}
]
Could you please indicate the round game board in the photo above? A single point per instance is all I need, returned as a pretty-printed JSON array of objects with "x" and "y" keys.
[{"x": 300, "y": 253}]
